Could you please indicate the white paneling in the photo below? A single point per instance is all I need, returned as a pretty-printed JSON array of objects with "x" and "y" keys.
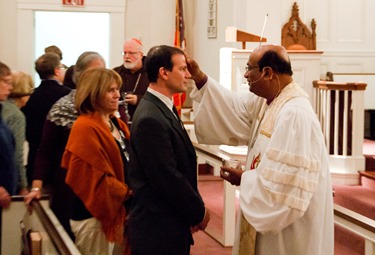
[
  {"x": 306, "y": 69},
  {"x": 299, "y": 76},
  {"x": 369, "y": 24},
  {"x": 348, "y": 61},
  {"x": 324, "y": 68},
  {"x": 350, "y": 21},
  {"x": 346, "y": 67},
  {"x": 343, "y": 25},
  {"x": 320, "y": 11}
]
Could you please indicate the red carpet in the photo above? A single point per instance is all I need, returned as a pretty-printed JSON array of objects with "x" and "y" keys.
[
  {"x": 347, "y": 243},
  {"x": 356, "y": 198},
  {"x": 206, "y": 245},
  {"x": 211, "y": 189},
  {"x": 359, "y": 199}
]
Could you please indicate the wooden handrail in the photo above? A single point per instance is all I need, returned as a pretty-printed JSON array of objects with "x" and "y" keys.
[
  {"x": 214, "y": 153},
  {"x": 58, "y": 242},
  {"x": 47, "y": 223},
  {"x": 331, "y": 85},
  {"x": 368, "y": 174},
  {"x": 188, "y": 122},
  {"x": 353, "y": 73},
  {"x": 355, "y": 218}
]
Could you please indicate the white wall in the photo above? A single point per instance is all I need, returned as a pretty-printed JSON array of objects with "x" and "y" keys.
[
  {"x": 8, "y": 33},
  {"x": 17, "y": 28},
  {"x": 153, "y": 25},
  {"x": 345, "y": 28}
]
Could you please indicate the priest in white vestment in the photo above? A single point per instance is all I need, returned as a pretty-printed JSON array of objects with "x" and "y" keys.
[{"x": 286, "y": 203}]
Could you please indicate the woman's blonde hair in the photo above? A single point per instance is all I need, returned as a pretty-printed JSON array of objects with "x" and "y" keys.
[
  {"x": 93, "y": 84},
  {"x": 23, "y": 84}
]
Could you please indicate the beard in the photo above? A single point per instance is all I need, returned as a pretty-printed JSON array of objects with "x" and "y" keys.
[{"x": 130, "y": 65}]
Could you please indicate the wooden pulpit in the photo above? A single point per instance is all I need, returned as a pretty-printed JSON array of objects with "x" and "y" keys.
[{"x": 232, "y": 34}]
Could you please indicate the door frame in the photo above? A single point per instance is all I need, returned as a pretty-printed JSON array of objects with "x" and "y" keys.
[{"x": 26, "y": 27}]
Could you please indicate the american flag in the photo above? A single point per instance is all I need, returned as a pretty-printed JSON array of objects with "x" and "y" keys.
[
  {"x": 179, "y": 36},
  {"x": 179, "y": 41}
]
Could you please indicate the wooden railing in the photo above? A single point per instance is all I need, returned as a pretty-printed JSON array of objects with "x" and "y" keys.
[
  {"x": 357, "y": 224},
  {"x": 368, "y": 78},
  {"x": 340, "y": 109},
  {"x": 54, "y": 238},
  {"x": 58, "y": 240}
]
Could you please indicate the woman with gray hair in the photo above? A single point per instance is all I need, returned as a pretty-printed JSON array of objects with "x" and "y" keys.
[
  {"x": 8, "y": 179},
  {"x": 23, "y": 86},
  {"x": 56, "y": 130}
]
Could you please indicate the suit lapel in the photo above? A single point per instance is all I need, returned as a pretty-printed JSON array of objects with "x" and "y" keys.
[{"x": 175, "y": 121}]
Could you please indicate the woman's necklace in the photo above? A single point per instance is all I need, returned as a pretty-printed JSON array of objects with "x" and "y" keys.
[
  {"x": 115, "y": 132},
  {"x": 111, "y": 125},
  {"x": 119, "y": 137}
]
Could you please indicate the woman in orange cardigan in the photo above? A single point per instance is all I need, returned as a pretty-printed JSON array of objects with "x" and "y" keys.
[{"x": 96, "y": 160}]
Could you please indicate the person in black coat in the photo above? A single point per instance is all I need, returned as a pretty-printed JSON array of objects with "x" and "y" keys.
[
  {"x": 167, "y": 207},
  {"x": 52, "y": 73},
  {"x": 134, "y": 77}
]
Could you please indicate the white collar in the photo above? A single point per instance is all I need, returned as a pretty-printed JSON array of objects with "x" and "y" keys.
[{"x": 166, "y": 100}]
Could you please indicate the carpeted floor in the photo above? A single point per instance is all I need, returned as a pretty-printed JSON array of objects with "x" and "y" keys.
[
  {"x": 206, "y": 245},
  {"x": 212, "y": 193}
]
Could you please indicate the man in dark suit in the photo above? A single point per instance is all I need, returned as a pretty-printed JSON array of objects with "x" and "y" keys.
[
  {"x": 52, "y": 73},
  {"x": 167, "y": 207}
]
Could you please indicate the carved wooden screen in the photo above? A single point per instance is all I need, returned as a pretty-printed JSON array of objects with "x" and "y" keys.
[{"x": 295, "y": 34}]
